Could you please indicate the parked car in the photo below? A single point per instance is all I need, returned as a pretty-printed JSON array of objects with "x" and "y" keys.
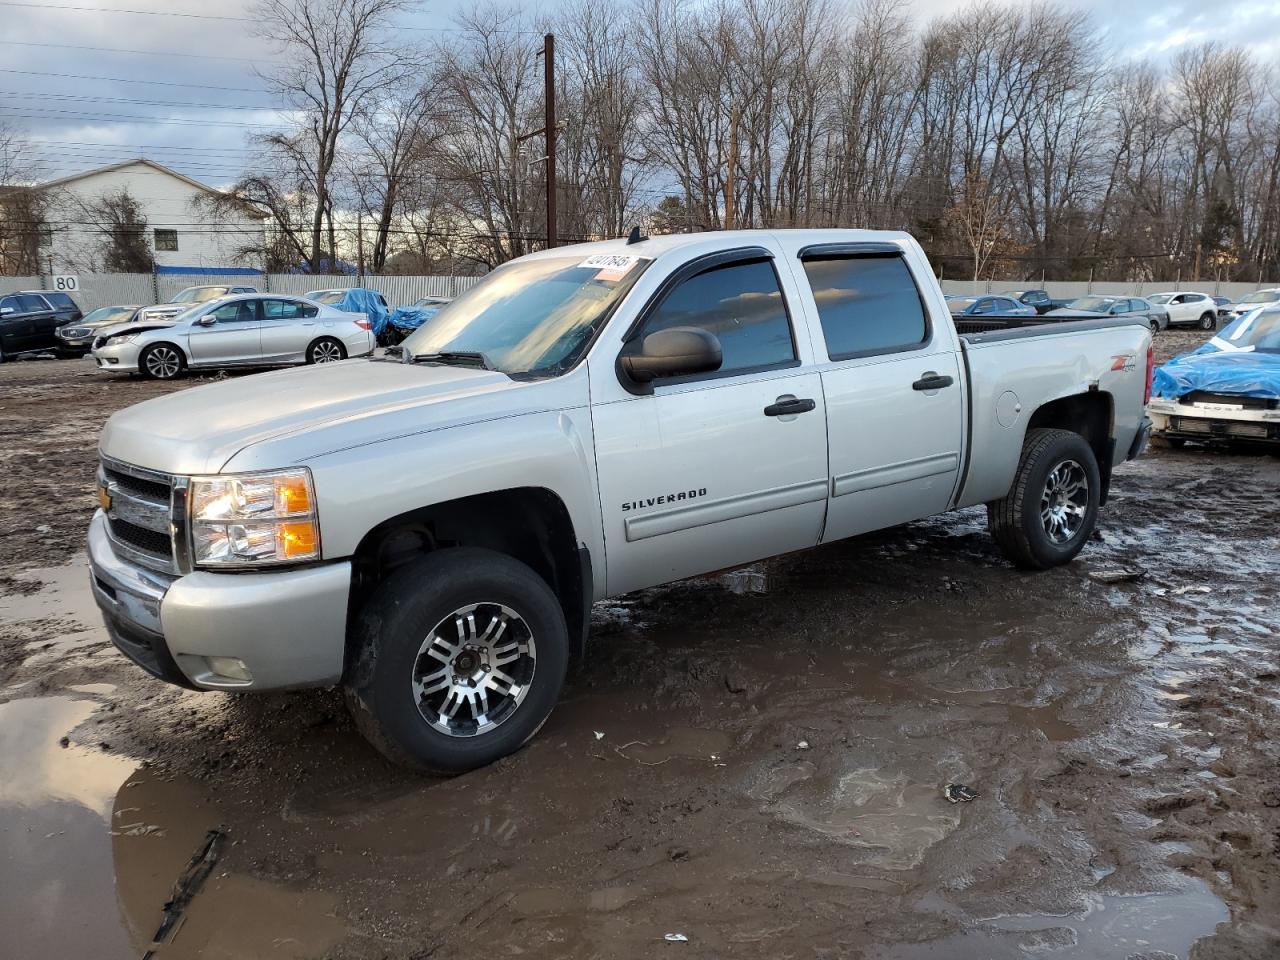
[
  {"x": 1154, "y": 315},
  {"x": 28, "y": 324},
  {"x": 1221, "y": 301},
  {"x": 327, "y": 297},
  {"x": 584, "y": 422},
  {"x": 405, "y": 320},
  {"x": 235, "y": 331},
  {"x": 1188, "y": 309},
  {"x": 75, "y": 339},
  {"x": 190, "y": 297},
  {"x": 1238, "y": 308},
  {"x": 1038, "y": 299},
  {"x": 989, "y": 306},
  {"x": 1229, "y": 389},
  {"x": 60, "y": 302}
]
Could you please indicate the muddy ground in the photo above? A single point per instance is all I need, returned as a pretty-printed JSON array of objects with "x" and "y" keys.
[{"x": 753, "y": 761}]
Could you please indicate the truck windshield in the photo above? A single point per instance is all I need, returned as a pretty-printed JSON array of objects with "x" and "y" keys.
[
  {"x": 529, "y": 316},
  {"x": 1257, "y": 330},
  {"x": 1261, "y": 296}
]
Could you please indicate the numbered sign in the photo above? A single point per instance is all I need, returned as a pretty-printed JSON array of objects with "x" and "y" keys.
[{"x": 67, "y": 283}]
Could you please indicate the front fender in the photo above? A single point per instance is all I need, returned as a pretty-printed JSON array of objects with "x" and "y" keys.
[{"x": 362, "y": 487}]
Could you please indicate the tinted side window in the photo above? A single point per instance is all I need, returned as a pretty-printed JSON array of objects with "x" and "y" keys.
[
  {"x": 866, "y": 305},
  {"x": 10, "y": 303},
  {"x": 281, "y": 309},
  {"x": 241, "y": 311},
  {"x": 741, "y": 304},
  {"x": 60, "y": 300},
  {"x": 31, "y": 303}
]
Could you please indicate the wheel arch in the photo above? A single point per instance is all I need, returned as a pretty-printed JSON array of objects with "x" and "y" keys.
[
  {"x": 531, "y": 524},
  {"x": 1090, "y": 414},
  {"x": 164, "y": 342}
]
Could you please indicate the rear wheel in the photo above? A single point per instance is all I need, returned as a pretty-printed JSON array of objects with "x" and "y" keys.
[
  {"x": 1154, "y": 324},
  {"x": 162, "y": 361},
  {"x": 326, "y": 350},
  {"x": 461, "y": 657},
  {"x": 1208, "y": 321},
  {"x": 1052, "y": 507}
]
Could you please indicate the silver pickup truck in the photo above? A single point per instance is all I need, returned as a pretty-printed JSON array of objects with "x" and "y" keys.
[{"x": 431, "y": 530}]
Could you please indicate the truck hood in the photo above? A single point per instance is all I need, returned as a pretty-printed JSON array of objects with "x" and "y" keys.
[{"x": 277, "y": 419}]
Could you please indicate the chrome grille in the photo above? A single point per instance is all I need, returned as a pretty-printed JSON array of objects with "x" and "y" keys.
[{"x": 139, "y": 517}]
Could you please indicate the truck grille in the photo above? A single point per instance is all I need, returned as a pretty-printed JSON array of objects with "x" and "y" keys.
[{"x": 138, "y": 519}]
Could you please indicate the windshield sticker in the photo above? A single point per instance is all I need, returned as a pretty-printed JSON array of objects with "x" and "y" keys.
[{"x": 611, "y": 266}]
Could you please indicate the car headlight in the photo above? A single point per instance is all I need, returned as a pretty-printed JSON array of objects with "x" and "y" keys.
[
  {"x": 253, "y": 519},
  {"x": 123, "y": 338}
]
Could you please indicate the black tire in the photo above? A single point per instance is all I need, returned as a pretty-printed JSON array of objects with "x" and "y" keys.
[
  {"x": 396, "y": 621},
  {"x": 323, "y": 349},
  {"x": 1016, "y": 522},
  {"x": 1208, "y": 321},
  {"x": 162, "y": 361},
  {"x": 1154, "y": 324}
]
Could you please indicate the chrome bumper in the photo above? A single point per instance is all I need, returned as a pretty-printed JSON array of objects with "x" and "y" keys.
[{"x": 287, "y": 627}]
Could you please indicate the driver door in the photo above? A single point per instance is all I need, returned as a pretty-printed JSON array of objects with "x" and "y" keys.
[{"x": 234, "y": 337}]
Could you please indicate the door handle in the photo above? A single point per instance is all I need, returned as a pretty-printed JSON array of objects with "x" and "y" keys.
[
  {"x": 932, "y": 381},
  {"x": 788, "y": 407}
]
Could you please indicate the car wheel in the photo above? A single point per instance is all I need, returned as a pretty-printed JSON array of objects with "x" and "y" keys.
[
  {"x": 1052, "y": 507},
  {"x": 460, "y": 658},
  {"x": 326, "y": 350},
  {"x": 1154, "y": 324},
  {"x": 162, "y": 361},
  {"x": 1208, "y": 321}
]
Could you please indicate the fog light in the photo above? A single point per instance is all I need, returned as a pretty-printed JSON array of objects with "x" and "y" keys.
[{"x": 231, "y": 668}]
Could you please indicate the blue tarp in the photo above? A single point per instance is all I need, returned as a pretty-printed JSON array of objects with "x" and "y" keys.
[
  {"x": 411, "y": 318},
  {"x": 1216, "y": 371},
  {"x": 360, "y": 300}
]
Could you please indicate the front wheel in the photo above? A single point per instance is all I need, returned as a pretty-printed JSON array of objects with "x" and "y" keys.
[
  {"x": 1208, "y": 321},
  {"x": 1052, "y": 507},
  {"x": 460, "y": 658},
  {"x": 162, "y": 361},
  {"x": 1154, "y": 324},
  {"x": 326, "y": 350}
]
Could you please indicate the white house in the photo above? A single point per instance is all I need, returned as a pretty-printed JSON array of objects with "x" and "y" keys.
[{"x": 183, "y": 233}]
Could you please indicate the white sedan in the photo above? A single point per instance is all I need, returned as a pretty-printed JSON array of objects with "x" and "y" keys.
[
  {"x": 256, "y": 330},
  {"x": 1188, "y": 309}
]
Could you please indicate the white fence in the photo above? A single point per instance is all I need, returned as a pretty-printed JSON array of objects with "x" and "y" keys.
[
  {"x": 109, "y": 289},
  {"x": 1070, "y": 289}
]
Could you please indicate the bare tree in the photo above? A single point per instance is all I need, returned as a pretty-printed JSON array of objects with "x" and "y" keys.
[
  {"x": 118, "y": 219},
  {"x": 334, "y": 59}
]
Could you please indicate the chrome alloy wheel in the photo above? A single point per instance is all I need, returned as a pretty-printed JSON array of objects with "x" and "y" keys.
[
  {"x": 163, "y": 362},
  {"x": 474, "y": 669},
  {"x": 1065, "y": 501},
  {"x": 326, "y": 352}
]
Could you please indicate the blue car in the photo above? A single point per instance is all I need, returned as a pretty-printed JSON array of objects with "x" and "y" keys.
[
  {"x": 1228, "y": 389},
  {"x": 989, "y": 305}
]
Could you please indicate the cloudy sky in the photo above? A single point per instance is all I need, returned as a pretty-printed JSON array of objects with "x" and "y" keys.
[{"x": 93, "y": 82}]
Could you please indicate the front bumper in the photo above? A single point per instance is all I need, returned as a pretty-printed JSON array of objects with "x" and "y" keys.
[
  {"x": 117, "y": 357},
  {"x": 287, "y": 627},
  {"x": 1209, "y": 421}
]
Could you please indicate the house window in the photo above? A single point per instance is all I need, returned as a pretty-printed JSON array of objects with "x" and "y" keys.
[
  {"x": 46, "y": 235},
  {"x": 166, "y": 239}
]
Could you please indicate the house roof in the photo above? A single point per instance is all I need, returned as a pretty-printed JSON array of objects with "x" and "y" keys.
[{"x": 62, "y": 181}]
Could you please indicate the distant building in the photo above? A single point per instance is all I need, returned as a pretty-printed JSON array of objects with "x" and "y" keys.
[{"x": 182, "y": 232}]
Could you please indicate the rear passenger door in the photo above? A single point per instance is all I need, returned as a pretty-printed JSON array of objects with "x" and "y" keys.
[
  {"x": 288, "y": 326},
  {"x": 43, "y": 322},
  {"x": 892, "y": 381}
]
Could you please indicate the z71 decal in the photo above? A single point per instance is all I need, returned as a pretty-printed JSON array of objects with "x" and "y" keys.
[{"x": 665, "y": 498}]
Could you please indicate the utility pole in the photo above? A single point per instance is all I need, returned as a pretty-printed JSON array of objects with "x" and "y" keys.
[
  {"x": 729, "y": 199},
  {"x": 549, "y": 74},
  {"x": 360, "y": 247}
]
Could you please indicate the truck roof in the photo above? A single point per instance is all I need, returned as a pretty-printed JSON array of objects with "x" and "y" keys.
[{"x": 666, "y": 243}]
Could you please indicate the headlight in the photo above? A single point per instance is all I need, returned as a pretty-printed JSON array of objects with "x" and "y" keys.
[
  {"x": 253, "y": 519},
  {"x": 123, "y": 338}
]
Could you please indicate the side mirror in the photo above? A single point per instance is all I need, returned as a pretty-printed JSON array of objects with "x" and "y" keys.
[
  {"x": 675, "y": 352},
  {"x": 208, "y": 320}
]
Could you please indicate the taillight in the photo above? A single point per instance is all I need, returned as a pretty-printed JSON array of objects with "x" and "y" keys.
[
  {"x": 1151, "y": 371},
  {"x": 366, "y": 325}
]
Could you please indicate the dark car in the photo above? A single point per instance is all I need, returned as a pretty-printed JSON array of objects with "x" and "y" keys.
[
  {"x": 27, "y": 325},
  {"x": 1039, "y": 300},
  {"x": 1152, "y": 314},
  {"x": 63, "y": 307},
  {"x": 75, "y": 339},
  {"x": 989, "y": 306}
]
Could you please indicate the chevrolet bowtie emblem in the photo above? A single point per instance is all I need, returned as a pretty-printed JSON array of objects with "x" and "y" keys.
[{"x": 104, "y": 498}]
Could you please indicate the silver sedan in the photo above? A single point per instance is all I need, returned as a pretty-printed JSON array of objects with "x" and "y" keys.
[{"x": 255, "y": 330}]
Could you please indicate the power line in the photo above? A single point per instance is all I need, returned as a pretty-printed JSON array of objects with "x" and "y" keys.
[
  {"x": 134, "y": 101},
  {"x": 86, "y": 117},
  {"x": 160, "y": 83},
  {"x": 143, "y": 53}
]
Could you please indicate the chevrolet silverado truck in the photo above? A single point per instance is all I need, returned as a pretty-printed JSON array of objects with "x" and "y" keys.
[{"x": 431, "y": 530}]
